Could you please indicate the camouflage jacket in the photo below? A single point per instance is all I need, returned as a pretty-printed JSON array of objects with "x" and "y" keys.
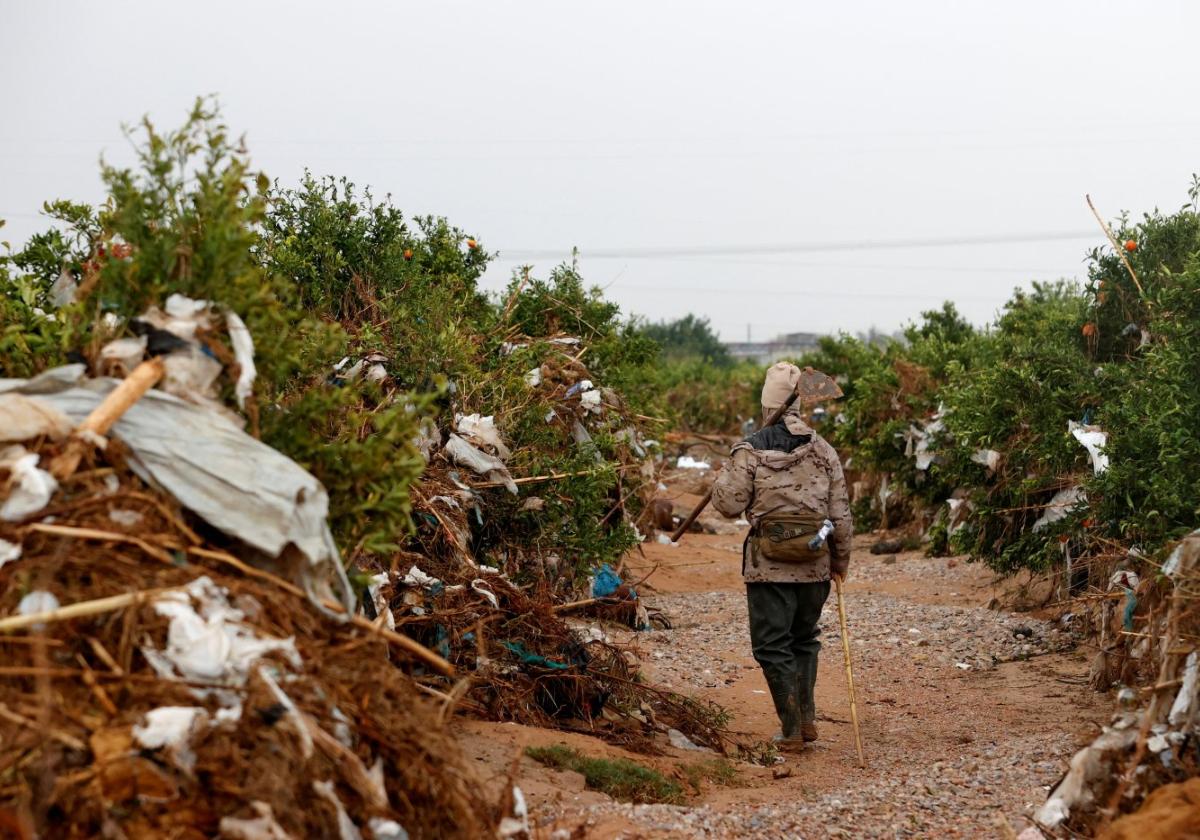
[{"x": 780, "y": 469}]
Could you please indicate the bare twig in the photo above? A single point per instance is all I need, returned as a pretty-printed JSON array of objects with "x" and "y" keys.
[{"x": 1116, "y": 247}]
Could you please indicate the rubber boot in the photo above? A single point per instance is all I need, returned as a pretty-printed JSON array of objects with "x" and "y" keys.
[
  {"x": 806, "y": 706},
  {"x": 783, "y": 692}
]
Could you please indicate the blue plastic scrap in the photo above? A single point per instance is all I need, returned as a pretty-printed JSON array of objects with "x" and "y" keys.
[
  {"x": 607, "y": 582},
  {"x": 1131, "y": 603},
  {"x": 530, "y": 658},
  {"x": 442, "y": 642}
]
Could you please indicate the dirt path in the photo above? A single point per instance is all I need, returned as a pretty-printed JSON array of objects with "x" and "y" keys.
[{"x": 968, "y": 714}]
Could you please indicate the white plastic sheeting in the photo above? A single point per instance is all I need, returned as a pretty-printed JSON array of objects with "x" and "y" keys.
[
  {"x": 482, "y": 431},
  {"x": 1186, "y": 701},
  {"x": 263, "y": 826},
  {"x": 171, "y": 728},
  {"x": 24, "y": 418},
  {"x": 237, "y": 484},
  {"x": 517, "y": 825},
  {"x": 347, "y": 830},
  {"x": 9, "y": 552},
  {"x": 243, "y": 354},
  {"x": 1087, "y": 767},
  {"x": 208, "y": 641},
  {"x": 1064, "y": 502},
  {"x": 917, "y": 440},
  {"x": 1093, "y": 439},
  {"x": 989, "y": 458},
  {"x": 478, "y": 461}
]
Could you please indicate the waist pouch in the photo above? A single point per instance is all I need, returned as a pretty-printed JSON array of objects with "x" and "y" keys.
[{"x": 783, "y": 538}]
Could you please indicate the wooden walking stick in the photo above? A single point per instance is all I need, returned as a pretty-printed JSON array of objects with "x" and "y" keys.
[{"x": 862, "y": 761}]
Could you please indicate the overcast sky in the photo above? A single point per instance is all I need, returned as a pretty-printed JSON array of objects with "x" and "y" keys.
[{"x": 745, "y": 161}]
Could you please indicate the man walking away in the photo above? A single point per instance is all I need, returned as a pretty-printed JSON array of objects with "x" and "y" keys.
[{"x": 788, "y": 481}]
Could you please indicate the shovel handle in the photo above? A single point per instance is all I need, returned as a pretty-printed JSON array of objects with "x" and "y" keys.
[{"x": 698, "y": 509}]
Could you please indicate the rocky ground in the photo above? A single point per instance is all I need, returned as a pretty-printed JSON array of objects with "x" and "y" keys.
[{"x": 968, "y": 713}]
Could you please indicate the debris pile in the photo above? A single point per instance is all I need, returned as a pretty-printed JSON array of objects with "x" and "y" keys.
[
  {"x": 1155, "y": 740},
  {"x": 179, "y": 667}
]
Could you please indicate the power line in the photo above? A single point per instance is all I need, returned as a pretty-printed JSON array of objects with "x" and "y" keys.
[
  {"x": 798, "y": 247},
  {"x": 962, "y": 269}
]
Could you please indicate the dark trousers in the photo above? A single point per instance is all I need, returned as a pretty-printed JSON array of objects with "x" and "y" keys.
[{"x": 784, "y": 626}]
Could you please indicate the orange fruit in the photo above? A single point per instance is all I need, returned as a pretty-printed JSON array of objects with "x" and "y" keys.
[
  {"x": 472, "y": 244},
  {"x": 408, "y": 253},
  {"x": 1130, "y": 245},
  {"x": 1089, "y": 330}
]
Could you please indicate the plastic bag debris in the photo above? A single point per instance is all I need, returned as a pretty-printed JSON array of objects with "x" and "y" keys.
[
  {"x": 1087, "y": 766},
  {"x": 581, "y": 385},
  {"x": 682, "y": 742},
  {"x": 605, "y": 582},
  {"x": 63, "y": 291},
  {"x": 489, "y": 466},
  {"x": 1063, "y": 502},
  {"x": 479, "y": 586},
  {"x": 416, "y": 577},
  {"x": 262, "y": 827},
  {"x": 533, "y": 503},
  {"x": 590, "y": 400},
  {"x": 31, "y": 486},
  {"x": 1189, "y": 543},
  {"x": 687, "y": 462},
  {"x": 210, "y": 644},
  {"x": 428, "y": 439},
  {"x": 482, "y": 431},
  {"x": 1093, "y": 439},
  {"x": 125, "y": 518},
  {"x": 375, "y": 590},
  {"x": 917, "y": 440},
  {"x": 516, "y": 826},
  {"x": 347, "y": 830},
  {"x": 121, "y": 355},
  {"x": 243, "y": 354},
  {"x": 960, "y": 509},
  {"x": 237, "y": 484},
  {"x": 534, "y": 377},
  {"x": 171, "y": 728},
  {"x": 989, "y": 458},
  {"x": 383, "y": 829},
  {"x": 37, "y": 601},
  {"x": 1186, "y": 700},
  {"x": 24, "y": 418},
  {"x": 9, "y": 552}
]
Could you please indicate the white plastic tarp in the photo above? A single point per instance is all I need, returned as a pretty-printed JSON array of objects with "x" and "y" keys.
[
  {"x": 237, "y": 484},
  {"x": 1063, "y": 502},
  {"x": 1093, "y": 439}
]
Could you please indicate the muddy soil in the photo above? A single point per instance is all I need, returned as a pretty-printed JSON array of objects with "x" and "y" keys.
[{"x": 968, "y": 714}]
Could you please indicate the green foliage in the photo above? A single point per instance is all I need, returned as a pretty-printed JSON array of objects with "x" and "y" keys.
[
  {"x": 1035, "y": 380},
  {"x": 1112, "y": 354},
  {"x": 619, "y": 778},
  {"x": 709, "y": 399},
  {"x": 1148, "y": 342},
  {"x": 718, "y": 771},
  {"x": 187, "y": 220},
  {"x": 409, "y": 291},
  {"x": 688, "y": 339},
  {"x": 890, "y": 386}
]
